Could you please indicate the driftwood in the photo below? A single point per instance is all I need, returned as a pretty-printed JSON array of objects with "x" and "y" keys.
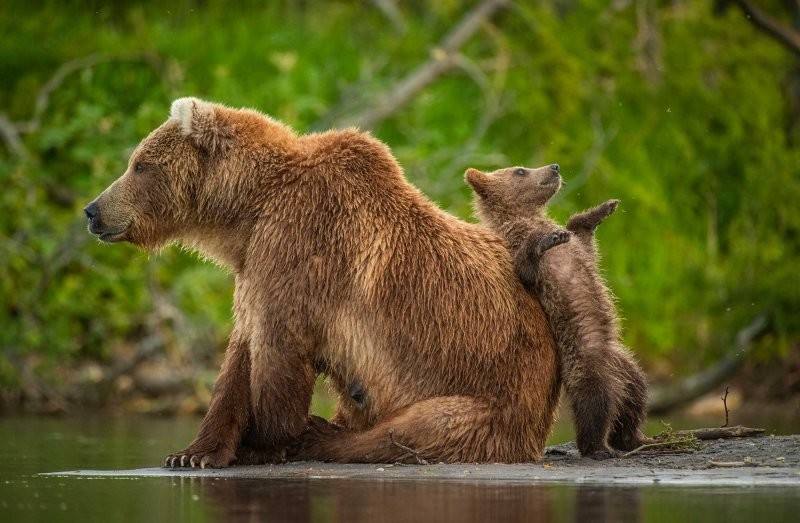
[
  {"x": 736, "y": 431},
  {"x": 692, "y": 387},
  {"x": 689, "y": 440}
]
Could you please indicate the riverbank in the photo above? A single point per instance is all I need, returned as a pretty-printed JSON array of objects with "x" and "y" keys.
[{"x": 766, "y": 460}]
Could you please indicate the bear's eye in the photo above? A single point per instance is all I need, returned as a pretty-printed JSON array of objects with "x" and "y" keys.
[
  {"x": 138, "y": 168},
  {"x": 520, "y": 172}
]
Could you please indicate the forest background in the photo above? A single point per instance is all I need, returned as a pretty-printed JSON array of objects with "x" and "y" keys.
[{"x": 686, "y": 110}]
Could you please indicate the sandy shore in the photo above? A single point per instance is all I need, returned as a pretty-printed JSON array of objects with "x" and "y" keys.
[{"x": 768, "y": 460}]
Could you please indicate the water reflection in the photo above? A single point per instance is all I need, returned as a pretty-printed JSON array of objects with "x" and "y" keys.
[
  {"x": 607, "y": 504},
  {"x": 403, "y": 501}
]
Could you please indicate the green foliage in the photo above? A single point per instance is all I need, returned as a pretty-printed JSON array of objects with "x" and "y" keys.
[{"x": 690, "y": 127}]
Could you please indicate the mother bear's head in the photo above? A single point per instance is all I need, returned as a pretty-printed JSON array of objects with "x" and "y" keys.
[{"x": 191, "y": 175}]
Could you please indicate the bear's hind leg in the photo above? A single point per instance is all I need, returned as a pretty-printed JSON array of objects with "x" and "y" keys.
[
  {"x": 450, "y": 429},
  {"x": 594, "y": 394},
  {"x": 626, "y": 433}
]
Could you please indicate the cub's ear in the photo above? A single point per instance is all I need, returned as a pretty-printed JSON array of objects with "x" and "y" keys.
[
  {"x": 201, "y": 122},
  {"x": 478, "y": 181}
]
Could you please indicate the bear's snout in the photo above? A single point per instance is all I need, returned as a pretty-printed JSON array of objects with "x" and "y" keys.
[
  {"x": 91, "y": 210},
  {"x": 105, "y": 231}
]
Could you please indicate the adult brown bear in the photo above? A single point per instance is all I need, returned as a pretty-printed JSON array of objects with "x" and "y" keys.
[{"x": 343, "y": 267}]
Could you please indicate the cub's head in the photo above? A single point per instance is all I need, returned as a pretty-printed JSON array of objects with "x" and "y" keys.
[
  {"x": 184, "y": 177},
  {"x": 513, "y": 192}
]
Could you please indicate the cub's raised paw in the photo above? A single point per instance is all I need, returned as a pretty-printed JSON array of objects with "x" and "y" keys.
[
  {"x": 190, "y": 457},
  {"x": 553, "y": 239},
  {"x": 609, "y": 207}
]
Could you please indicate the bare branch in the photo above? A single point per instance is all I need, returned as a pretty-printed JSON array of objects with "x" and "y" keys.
[
  {"x": 10, "y": 134},
  {"x": 663, "y": 400},
  {"x": 725, "y": 404},
  {"x": 11, "y": 131},
  {"x": 392, "y": 13},
  {"x": 443, "y": 58},
  {"x": 771, "y": 26}
]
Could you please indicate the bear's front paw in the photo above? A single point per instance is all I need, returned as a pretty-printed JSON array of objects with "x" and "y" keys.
[
  {"x": 553, "y": 239},
  {"x": 200, "y": 457}
]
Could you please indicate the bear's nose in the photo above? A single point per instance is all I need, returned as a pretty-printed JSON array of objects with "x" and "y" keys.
[
  {"x": 91, "y": 210},
  {"x": 555, "y": 168}
]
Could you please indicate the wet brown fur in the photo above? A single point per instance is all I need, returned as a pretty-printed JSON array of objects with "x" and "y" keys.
[
  {"x": 606, "y": 388},
  {"x": 341, "y": 266}
]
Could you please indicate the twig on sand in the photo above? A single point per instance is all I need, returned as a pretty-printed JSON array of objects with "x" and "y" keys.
[
  {"x": 673, "y": 442},
  {"x": 411, "y": 451},
  {"x": 731, "y": 464}
]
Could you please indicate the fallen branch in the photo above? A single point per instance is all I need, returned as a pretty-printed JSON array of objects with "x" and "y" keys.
[
  {"x": 443, "y": 58},
  {"x": 732, "y": 464},
  {"x": 665, "y": 399},
  {"x": 736, "y": 431},
  {"x": 411, "y": 451}
]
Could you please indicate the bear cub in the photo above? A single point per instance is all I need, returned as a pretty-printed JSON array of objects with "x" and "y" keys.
[{"x": 606, "y": 388}]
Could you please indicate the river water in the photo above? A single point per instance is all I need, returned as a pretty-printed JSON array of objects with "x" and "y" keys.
[{"x": 34, "y": 445}]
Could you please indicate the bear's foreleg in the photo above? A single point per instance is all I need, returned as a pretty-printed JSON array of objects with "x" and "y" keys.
[
  {"x": 222, "y": 427},
  {"x": 527, "y": 259},
  {"x": 281, "y": 385},
  {"x": 583, "y": 224}
]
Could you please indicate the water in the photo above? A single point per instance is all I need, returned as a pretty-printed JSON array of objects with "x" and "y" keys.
[{"x": 33, "y": 445}]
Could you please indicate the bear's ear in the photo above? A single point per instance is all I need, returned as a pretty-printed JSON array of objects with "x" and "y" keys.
[
  {"x": 478, "y": 181},
  {"x": 201, "y": 122}
]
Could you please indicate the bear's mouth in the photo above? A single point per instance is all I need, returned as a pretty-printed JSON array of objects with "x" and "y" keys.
[
  {"x": 553, "y": 180},
  {"x": 114, "y": 235}
]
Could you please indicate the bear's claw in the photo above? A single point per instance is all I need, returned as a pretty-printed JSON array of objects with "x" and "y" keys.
[{"x": 194, "y": 458}]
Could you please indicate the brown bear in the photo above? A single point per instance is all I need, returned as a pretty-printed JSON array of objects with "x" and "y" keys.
[
  {"x": 341, "y": 266},
  {"x": 606, "y": 387}
]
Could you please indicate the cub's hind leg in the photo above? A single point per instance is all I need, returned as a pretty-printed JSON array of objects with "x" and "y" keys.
[{"x": 626, "y": 432}]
